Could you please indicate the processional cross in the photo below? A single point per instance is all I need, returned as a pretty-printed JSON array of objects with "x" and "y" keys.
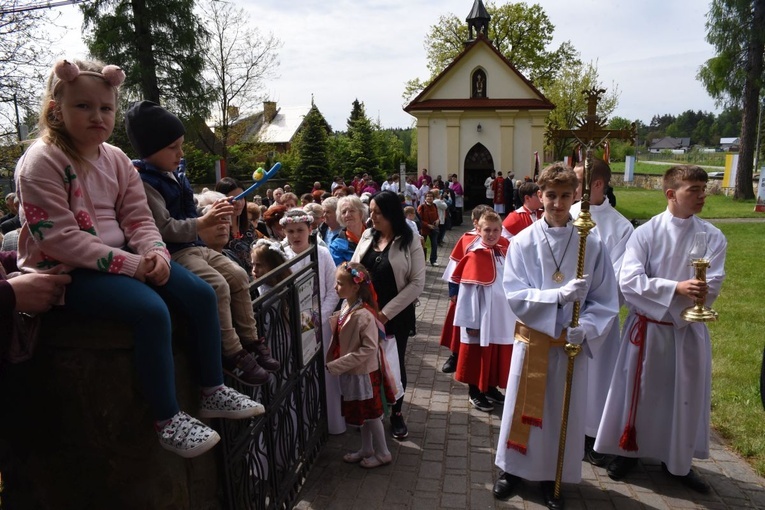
[{"x": 591, "y": 133}]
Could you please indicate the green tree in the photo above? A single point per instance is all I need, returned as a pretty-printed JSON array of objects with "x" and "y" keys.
[
  {"x": 357, "y": 111},
  {"x": 239, "y": 60},
  {"x": 734, "y": 76},
  {"x": 339, "y": 155},
  {"x": 522, "y": 33},
  {"x": 159, "y": 43},
  {"x": 571, "y": 104},
  {"x": 25, "y": 55},
  {"x": 312, "y": 147},
  {"x": 363, "y": 156}
]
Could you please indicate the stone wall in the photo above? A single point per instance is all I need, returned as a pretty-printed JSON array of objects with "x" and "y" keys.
[{"x": 76, "y": 433}]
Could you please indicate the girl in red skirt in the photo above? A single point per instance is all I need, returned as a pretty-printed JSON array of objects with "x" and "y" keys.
[{"x": 356, "y": 357}]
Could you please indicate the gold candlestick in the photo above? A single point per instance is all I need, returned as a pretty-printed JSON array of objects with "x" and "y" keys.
[{"x": 699, "y": 312}]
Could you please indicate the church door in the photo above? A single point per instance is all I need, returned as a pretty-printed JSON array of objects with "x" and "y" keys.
[{"x": 478, "y": 166}]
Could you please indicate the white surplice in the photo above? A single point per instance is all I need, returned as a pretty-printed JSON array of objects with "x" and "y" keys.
[
  {"x": 533, "y": 297},
  {"x": 614, "y": 230},
  {"x": 672, "y": 420},
  {"x": 485, "y": 308}
]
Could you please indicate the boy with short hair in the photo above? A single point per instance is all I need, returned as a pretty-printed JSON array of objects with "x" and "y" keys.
[
  {"x": 483, "y": 316},
  {"x": 450, "y": 335},
  {"x": 614, "y": 230},
  {"x": 528, "y": 213},
  {"x": 157, "y": 136},
  {"x": 541, "y": 286},
  {"x": 659, "y": 401}
]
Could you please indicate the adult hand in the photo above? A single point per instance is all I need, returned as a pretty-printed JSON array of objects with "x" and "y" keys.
[
  {"x": 694, "y": 289},
  {"x": 575, "y": 335},
  {"x": 37, "y": 293},
  {"x": 158, "y": 271},
  {"x": 575, "y": 290}
]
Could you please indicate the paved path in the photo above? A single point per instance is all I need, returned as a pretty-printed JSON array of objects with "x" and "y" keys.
[{"x": 448, "y": 459}]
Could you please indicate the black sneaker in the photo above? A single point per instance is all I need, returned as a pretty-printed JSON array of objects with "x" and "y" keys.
[
  {"x": 481, "y": 403},
  {"x": 495, "y": 396},
  {"x": 451, "y": 365},
  {"x": 397, "y": 426}
]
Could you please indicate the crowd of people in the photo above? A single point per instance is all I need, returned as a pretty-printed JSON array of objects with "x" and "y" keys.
[{"x": 97, "y": 224}]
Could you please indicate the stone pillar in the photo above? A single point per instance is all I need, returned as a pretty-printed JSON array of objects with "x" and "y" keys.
[{"x": 77, "y": 433}]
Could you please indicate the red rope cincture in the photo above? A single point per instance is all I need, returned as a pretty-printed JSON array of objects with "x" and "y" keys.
[{"x": 628, "y": 441}]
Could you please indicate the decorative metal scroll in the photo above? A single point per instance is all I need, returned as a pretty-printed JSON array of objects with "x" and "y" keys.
[{"x": 267, "y": 459}]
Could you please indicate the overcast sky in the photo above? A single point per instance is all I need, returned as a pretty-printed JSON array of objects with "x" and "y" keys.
[{"x": 340, "y": 50}]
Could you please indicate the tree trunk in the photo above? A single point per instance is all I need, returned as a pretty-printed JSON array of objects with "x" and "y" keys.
[
  {"x": 754, "y": 64},
  {"x": 145, "y": 57}
]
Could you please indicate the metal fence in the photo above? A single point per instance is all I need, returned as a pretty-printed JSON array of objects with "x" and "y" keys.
[{"x": 267, "y": 459}]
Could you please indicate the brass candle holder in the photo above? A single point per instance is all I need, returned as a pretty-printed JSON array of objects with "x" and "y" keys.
[{"x": 699, "y": 312}]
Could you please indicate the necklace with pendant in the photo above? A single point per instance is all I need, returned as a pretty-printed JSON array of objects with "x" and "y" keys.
[{"x": 558, "y": 276}]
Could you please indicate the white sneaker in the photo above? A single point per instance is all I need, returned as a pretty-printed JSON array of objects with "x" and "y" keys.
[
  {"x": 187, "y": 436},
  {"x": 229, "y": 403},
  {"x": 434, "y": 264}
]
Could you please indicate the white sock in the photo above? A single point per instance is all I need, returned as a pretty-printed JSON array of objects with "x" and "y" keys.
[
  {"x": 367, "y": 447},
  {"x": 378, "y": 433}
]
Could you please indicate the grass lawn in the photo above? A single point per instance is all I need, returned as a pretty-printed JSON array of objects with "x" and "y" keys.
[
  {"x": 641, "y": 167},
  {"x": 738, "y": 337},
  {"x": 737, "y": 342},
  {"x": 638, "y": 203}
]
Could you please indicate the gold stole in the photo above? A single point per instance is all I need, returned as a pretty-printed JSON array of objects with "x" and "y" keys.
[{"x": 530, "y": 400}]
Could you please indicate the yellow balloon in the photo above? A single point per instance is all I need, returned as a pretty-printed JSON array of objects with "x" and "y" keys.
[{"x": 258, "y": 174}]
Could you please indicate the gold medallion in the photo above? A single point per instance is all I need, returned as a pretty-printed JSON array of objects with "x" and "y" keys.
[{"x": 558, "y": 277}]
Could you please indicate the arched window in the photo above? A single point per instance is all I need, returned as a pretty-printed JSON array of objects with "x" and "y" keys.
[{"x": 478, "y": 84}]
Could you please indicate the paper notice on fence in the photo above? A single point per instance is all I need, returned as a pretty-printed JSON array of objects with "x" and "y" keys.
[
  {"x": 760, "y": 205},
  {"x": 309, "y": 317}
]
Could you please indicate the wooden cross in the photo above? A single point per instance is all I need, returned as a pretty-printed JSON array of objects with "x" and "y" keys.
[{"x": 591, "y": 129}]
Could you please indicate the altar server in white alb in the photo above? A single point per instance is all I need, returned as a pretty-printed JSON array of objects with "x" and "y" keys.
[
  {"x": 659, "y": 402},
  {"x": 614, "y": 230},
  {"x": 541, "y": 286}
]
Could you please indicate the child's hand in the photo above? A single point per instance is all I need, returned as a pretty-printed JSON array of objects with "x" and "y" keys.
[
  {"x": 473, "y": 332},
  {"x": 220, "y": 212},
  {"x": 694, "y": 289},
  {"x": 158, "y": 271}
]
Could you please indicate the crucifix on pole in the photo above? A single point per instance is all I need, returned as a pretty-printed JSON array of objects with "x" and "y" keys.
[{"x": 591, "y": 133}]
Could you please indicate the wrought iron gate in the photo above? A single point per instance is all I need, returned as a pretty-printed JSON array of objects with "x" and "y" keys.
[{"x": 267, "y": 459}]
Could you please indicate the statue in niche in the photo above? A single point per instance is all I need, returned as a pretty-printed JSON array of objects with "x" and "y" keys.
[{"x": 479, "y": 85}]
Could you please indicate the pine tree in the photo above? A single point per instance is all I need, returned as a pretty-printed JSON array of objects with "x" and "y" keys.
[
  {"x": 314, "y": 163},
  {"x": 357, "y": 112},
  {"x": 363, "y": 149}
]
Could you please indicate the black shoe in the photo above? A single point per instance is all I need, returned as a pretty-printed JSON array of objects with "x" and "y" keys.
[
  {"x": 591, "y": 456},
  {"x": 692, "y": 480},
  {"x": 548, "y": 495},
  {"x": 620, "y": 467},
  {"x": 397, "y": 426},
  {"x": 481, "y": 403},
  {"x": 505, "y": 485},
  {"x": 451, "y": 365},
  {"x": 495, "y": 396}
]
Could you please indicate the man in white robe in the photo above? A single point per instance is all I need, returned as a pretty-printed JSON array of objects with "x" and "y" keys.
[
  {"x": 614, "y": 230},
  {"x": 541, "y": 286},
  {"x": 666, "y": 415}
]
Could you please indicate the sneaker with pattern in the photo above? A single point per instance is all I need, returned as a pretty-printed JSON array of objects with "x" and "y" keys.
[
  {"x": 186, "y": 436},
  {"x": 228, "y": 403}
]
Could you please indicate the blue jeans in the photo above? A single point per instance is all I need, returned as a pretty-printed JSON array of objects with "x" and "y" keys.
[{"x": 144, "y": 308}]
